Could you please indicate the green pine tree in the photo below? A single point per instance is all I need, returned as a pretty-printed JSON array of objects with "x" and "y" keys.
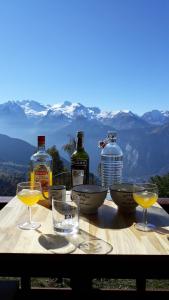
[
  {"x": 163, "y": 185},
  {"x": 70, "y": 146},
  {"x": 58, "y": 166}
]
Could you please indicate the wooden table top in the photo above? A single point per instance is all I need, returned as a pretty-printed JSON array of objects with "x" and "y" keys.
[{"x": 113, "y": 232}]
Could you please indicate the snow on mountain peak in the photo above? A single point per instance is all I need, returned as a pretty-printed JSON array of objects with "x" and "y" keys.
[
  {"x": 73, "y": 110},
  {"x": 70, "y": 111},
  {"x": 33, "y": 108},
  {"x": 67, "y": 108},
  {"x": 156, "y": 117},
  {"x": 112, "y": 114}
]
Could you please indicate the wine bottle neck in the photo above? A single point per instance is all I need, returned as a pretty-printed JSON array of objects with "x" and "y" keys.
[{"x": 79, "y": 145}]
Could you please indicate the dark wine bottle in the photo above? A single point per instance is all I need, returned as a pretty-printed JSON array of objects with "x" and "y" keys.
[{"x": 79, "y": 162}]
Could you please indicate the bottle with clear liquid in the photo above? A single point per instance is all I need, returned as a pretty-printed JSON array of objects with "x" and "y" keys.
[
  {"x": 41, "y": 167},
  {"x": 111, "y": 161}
]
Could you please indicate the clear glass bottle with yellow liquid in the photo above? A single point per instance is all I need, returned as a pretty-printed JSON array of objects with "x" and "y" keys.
[{"x": 41, "y": 170}]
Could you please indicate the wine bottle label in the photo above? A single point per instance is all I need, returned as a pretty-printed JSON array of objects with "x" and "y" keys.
[
  {"x": 80, "y": 171},
  {"x": 77, "y": 177},
  {"x": 79, "y": 163}
]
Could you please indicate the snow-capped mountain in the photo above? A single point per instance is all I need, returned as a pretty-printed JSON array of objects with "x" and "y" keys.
[
  {"x": 156, "y": 117},
  {"x": 32, "y": 108},
  {"x": 74, "y": 110},
  {"x": 68, "y": 111},
  {"x": 137, "y": 135},
  {"x": 122, "y": 120}
]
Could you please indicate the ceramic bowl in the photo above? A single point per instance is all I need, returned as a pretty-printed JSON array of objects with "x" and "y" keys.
[
  {"x": 122, "y": 195},
  {"x": 91, "y": 197}
]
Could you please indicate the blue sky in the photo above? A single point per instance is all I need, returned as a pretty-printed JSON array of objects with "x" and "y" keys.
[{"x": 113, "y": 54}]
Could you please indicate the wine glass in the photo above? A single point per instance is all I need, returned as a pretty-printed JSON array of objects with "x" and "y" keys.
[
  {"x": 145, "y": 194},
  {"x": 29, "y": 193}
]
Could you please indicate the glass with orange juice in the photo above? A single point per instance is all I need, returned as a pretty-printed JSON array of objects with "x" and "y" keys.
[
  {"x": 29, "y": 193},
  {"x": 145, "y": 194}
]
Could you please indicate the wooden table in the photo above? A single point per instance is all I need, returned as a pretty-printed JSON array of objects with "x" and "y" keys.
[{"x": 124, "y": 251}]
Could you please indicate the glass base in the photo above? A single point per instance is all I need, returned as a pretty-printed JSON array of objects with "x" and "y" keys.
[
  {"x": 28, "y": 225},
  {"x": 145, "y": 227},
  {"x": 95, "y": 246}
]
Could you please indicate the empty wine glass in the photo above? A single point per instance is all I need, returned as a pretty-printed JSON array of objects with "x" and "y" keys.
[
  {"x": 145, "y": 194},
  {"x": 29, "y": 193}
]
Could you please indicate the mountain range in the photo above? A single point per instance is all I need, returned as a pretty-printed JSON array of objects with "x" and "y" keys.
[{"x": 143, "y": 139}]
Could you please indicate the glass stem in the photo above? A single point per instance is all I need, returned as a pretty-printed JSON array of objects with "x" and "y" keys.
[
  {"x": 30, "y": 214},
  {"x": 108, "y": 194},
  {"x": 145, "y": 216}
]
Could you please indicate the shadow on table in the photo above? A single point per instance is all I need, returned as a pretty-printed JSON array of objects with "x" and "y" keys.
[
  {"x": 86, "y": 242},
  {"x": 56, "y": 244},
  {"x": 108, "y": 217},
  {"x": 111, "y": 218}
]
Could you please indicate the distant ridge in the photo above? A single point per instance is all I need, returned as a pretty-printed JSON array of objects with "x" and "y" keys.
[{"x": 15, "y": 150}]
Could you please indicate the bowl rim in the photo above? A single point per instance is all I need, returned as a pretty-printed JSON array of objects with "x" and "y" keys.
[
  {"x": 77, "y": 187},
  {"x": 112, "y": 188}
]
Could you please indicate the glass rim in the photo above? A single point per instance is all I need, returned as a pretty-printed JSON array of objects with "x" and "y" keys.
[
  {"x": 29, "y": 183},
  {"x": 57, "y": 187},
  {"x": 145, "y": 183},
  {"x": 145, "y": 186}
]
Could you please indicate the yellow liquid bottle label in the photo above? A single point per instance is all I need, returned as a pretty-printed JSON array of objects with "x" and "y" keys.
[{"x": 43, "y": 175}]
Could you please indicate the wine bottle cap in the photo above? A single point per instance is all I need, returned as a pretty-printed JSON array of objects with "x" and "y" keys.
[{"x": 80, "y": 133}]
